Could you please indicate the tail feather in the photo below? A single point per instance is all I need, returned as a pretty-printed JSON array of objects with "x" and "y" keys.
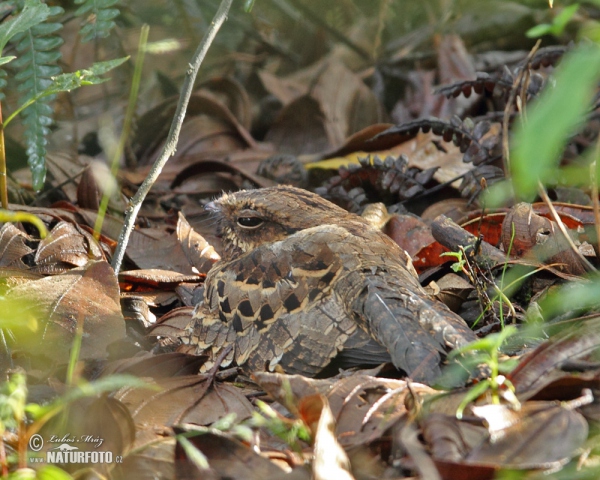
[{"x": 416, "y": 330}]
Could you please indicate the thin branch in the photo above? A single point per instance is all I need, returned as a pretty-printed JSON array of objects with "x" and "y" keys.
[
  {"x": 509, "y": 107},
  {"x": 561, "y": 226},
  {"x": 170, "y": 145}
]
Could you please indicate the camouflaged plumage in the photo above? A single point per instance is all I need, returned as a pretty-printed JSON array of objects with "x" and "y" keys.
[{"x": 301, "y": 279}]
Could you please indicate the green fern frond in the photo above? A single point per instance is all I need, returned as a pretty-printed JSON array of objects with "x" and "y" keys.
[
  {"x": 99, "y": 18},
  {"x": 38, "y": 53}
]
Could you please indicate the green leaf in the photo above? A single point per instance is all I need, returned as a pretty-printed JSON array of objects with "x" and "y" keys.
[
  {"x": 539, "y": 30},
  {"x": 33, "y": 13},
  {"x": 195, "y": 455},
  {"x": 5, "y": 60},
  {"x": 98, "y": 18},
  {"x": 555, "y": 116},
  {"x": 558, "y": 24},
  {"x": 66, "y": 82}
]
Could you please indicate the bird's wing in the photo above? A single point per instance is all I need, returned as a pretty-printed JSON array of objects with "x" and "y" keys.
[
  {"x": 386, "y": 300},
  {"x": 414, "y": 328},
  {"x": 276, "y": 301}
]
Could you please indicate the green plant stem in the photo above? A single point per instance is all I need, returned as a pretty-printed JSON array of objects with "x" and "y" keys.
[
  {"x": 171, "y": 143},
  {"x": 8, "y": 216},
  {"x": 3, "y": 183},
  {"x": 75, "y": 350},
  {"x": 131, "y": 104}
]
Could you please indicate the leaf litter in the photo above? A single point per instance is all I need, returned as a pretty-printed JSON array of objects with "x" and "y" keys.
[{"x": 419, "y": 130}]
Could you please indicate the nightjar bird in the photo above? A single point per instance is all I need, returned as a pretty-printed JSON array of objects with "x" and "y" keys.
[{"x": 302, "y": 281}]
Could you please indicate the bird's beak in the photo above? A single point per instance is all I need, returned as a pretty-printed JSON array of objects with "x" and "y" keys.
[{"x": 212, "y": 206}]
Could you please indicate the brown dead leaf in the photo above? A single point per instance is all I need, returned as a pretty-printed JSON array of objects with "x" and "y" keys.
[
  {"x": 93, "y": 424},
  {"x": 540, "y": 435},
  {"x": 172, "y": 324},
  {"x": 167, "y": 252},
  {"x": 337, "y": 105},
  {"x": 165, "y": 365},
  {"x": 89, "y": 294},
  {"x": 228, "y": 458},
  {"x": 233, "y": 95},
  {"x": 453, "y": 290},
  {"x": 153, "y": 460},
  {"x": 410, "y": 232},
  {"x": 329, "y": 458},
  {"x": 556, "y": 369},
  {"x": 300, "y": 128},
  {"x": 12, "y": 246},
  {"x": 209, "y": 125},
  {"x": 154, "y": 278},
  {"x": 66, "y": 245},
  {"x": 185, "y": 399},
  {"x": 364, "y": 406},
  {"x": 527, "y": 232}
]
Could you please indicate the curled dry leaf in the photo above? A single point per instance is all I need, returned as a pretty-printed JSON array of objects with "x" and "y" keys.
[
  {"x": 542, "y": 435},
  {"x": 201, "y": 255},
  {"x": 89, "y": 295},
  {"x": 209, "y": 126},
  {"x": 13, "y": 247},
  {"x": 171, "y": 326},
  {"x": 166, "y": 365},
  {"x": 527, "y": 232},
  {"x": 153, "y": 278},
  {"x": 136, "y": 309},
  {"x": 329, "y": 458},
  {"x": 67, "y": 245},
  {"x": 453, "y": 290}
]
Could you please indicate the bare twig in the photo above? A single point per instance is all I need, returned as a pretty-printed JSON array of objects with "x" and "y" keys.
[
  {"x": 509, "y": 106},
  {"x": 561, "y": 226},
  {"x": 129, "y": 113},
  {"x": 170, "y": 145}
]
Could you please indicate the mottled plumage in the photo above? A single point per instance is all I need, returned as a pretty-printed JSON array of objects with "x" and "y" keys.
[{"x": 301, "y": 279}]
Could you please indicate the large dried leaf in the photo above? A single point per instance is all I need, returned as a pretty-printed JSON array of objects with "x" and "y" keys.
[
  {"x": 300, "y": 128},
  {"x": 92, "y": 424},
  {"x": 209, "y": 126},
  {"x": 185, "y": 399},
  {"x": 89, "y": 295},
  {"x": 156, "y": 366}
]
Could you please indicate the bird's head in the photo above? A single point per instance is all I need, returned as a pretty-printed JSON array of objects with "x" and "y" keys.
[{"x": 251, "y": 218}]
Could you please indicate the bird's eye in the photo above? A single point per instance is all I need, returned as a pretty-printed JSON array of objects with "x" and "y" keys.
[{"x": 249, "y": 222}]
